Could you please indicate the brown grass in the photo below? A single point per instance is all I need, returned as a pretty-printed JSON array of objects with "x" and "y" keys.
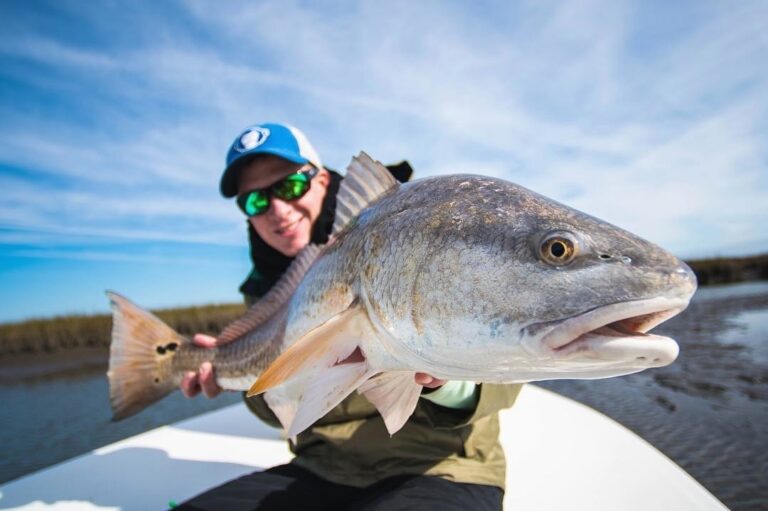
[
  {"x": 725, "y": 270},
  {"x": 66, "y": 333}
]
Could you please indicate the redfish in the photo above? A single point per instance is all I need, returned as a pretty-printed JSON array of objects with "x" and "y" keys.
[{"x": 462, "y": 277}]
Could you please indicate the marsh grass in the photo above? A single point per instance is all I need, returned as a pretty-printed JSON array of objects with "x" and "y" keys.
[
  {"x": 53, "y": 336},
  {"x": 726, "y": 270}
]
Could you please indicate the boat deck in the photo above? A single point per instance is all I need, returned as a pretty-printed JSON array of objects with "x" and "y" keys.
[{"x": 561, "y": 455}]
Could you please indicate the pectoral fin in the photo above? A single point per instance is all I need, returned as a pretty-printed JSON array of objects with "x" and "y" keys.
[
  {"x": 317, "y": 372},
  {"x": 395, "y": 395},
  {"x": 329, "y": 388},
  {"x": 323, "y": 347},
  {"x": 283, "y": 403}
]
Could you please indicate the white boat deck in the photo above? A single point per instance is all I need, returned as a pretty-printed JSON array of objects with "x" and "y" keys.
[{"x": 561, "y": 455}]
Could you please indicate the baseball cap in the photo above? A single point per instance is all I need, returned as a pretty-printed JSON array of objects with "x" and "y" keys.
[{"x": 270, "y": 138}]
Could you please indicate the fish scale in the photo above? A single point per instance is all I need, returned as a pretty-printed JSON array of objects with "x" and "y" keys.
[{"x": 448, "y": 275}]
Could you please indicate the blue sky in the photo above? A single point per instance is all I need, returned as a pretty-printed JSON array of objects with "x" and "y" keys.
[{"x": 115, "y": 118}]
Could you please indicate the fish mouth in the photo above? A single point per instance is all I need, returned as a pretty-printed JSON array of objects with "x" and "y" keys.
[{"x": 618, "y": 332}]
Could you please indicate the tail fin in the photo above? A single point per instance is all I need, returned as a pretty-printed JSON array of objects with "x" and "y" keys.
[{"x": 140, "y": 358}]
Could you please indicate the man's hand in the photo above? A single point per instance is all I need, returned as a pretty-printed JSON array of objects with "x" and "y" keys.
[
  {"x": 428, "y": 381},
  {"x": 203, "y": 380}
]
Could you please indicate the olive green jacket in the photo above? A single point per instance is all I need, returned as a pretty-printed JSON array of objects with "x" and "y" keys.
[{"x": 350, "y": 445}]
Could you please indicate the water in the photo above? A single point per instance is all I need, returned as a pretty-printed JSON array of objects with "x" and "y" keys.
[
  {"x": 748, "y": 324},
  {"x": 708, "y": 411},
  {"x": 47, "y": 420}
]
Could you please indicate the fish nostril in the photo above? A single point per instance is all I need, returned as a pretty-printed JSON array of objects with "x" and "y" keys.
[
  {"x": 685, "y": 272},
  {"x": 621, "y": 259}
]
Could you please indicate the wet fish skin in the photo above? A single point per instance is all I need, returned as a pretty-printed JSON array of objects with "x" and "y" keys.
[
  {"x": 484, "y": 234},
  {"x": 446, "y": 276},
  {"x": 442, "y": 275}
]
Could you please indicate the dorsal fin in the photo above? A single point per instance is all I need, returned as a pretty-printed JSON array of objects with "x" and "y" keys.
[
  {"x": 366, "y": 180},
  {"x": 280, "y": 293}
]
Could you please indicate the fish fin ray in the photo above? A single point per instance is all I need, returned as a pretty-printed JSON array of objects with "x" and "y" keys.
[
  {"x": 328, "y": 388},
  {"x": 277, "y": 296},
  {"x": 139, "y": 373},
  {"x": 395, "y": 395},
  {"x": 365, "y": 181},
  {"x": 321, "y": 347}
]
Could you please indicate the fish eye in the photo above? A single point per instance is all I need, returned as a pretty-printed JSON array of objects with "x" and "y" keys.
[{"x": 558, "y": 249}]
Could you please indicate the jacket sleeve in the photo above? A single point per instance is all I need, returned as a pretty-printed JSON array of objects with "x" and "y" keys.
[
  {"x": 492, "y": 398},
  {"x": 461, "y": 395}
]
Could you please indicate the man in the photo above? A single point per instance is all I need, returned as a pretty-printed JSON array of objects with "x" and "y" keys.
[{"x": 447, "y": 456}]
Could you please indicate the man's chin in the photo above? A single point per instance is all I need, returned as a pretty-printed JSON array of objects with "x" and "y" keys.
[{"x": 292, "y": 247}]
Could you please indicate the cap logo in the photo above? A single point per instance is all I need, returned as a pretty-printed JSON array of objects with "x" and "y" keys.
[{"x": 252, "y": 138}]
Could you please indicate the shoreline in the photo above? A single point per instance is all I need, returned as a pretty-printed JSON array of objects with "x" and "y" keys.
[
  {"x": 52, "y": 338},
  {"x": 75, "y": 362},
  {"x": 729, "y": 270}
]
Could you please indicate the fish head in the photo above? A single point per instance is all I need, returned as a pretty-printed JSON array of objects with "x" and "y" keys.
[
  {"x": 541, "y": 290},
  {"x": 604, "y": 289}
]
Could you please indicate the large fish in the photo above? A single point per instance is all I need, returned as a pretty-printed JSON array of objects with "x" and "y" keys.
[{"x": 462, "y": 277}]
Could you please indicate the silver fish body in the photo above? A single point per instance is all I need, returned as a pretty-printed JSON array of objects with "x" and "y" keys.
[
  {"x": 463, "y": 277},
  {"x": 450, "y": 274}
]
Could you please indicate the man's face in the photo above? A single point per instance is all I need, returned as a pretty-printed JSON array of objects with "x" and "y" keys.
[{"x": 287, "y": 225}]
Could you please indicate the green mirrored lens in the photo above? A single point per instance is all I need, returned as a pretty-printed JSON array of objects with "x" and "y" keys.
[
  {"x": 292, "y": 187},
  {"x": 255, "y": 203}
]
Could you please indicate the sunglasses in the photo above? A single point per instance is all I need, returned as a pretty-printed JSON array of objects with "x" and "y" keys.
[{"x": 292, "y": 187}]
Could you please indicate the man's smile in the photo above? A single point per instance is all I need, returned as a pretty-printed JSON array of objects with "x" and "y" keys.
[{"x": 288, "y": 229}]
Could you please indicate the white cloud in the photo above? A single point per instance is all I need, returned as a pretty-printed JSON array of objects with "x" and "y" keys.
[
  {"x": 115, "y": 256},
  {"x": 548, "y": 95},
  {"x": 50, "y": 52}
]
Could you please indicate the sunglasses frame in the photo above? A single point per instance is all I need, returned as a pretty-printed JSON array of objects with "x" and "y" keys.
[{"x": 269, "y": 191}]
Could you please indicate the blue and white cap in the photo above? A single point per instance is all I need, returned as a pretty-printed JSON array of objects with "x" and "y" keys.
[{"x": 278, "y": 139}]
